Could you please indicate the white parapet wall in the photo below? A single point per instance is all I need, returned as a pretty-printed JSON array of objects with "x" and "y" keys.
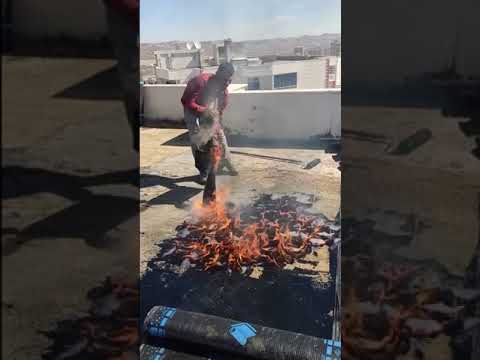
[
  {"x": 285, "y": 114},
  {"x": 267, "y": 114},
  {"x": 162, "y": 102}
]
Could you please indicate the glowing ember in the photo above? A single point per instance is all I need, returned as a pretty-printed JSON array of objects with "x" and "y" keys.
[{"x": 220, "y": 237}]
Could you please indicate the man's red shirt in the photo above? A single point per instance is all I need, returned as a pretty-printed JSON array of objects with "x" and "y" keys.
[{"x": 192, "y": 96}]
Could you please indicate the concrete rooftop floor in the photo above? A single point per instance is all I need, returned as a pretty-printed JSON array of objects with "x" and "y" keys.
[
  {"x": 168, "y": 190},
  {"x": 165, "y": 201}
]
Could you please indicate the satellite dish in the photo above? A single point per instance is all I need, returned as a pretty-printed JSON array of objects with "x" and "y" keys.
[
  {"x": 197, "y": 44},
  {"x": 189, "y": 45}
]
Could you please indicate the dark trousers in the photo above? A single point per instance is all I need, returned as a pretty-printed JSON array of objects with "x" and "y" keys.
[
  {"x": 210, "y": 188},
  {"x": 205, "y": 165}
]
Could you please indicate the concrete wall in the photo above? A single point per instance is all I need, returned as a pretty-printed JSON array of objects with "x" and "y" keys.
[
  {"x": 420, "y": 35},
  {"x": 285, "y": 114},
  {"x": 182, "y": 75},
  {"x": 277, "y": 114},
  {"x": 163, "y": 102},
  {"x": 181, "y": 61},
  {"x": 39, "y": 19}
]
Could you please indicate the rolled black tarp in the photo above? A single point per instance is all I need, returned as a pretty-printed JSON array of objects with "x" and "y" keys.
[
  {"x": 148, "y": 352},
  {"x": 244, "y": 339}
]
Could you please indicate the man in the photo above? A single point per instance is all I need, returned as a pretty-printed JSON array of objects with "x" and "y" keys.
[
  {"x": 204, "y": 101},
  {"x": 123, "y": 24}
]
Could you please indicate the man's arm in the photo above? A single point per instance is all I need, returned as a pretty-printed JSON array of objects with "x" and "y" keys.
[{"x": 191, "y": 95}]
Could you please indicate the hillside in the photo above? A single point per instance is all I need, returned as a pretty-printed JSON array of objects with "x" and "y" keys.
[{"x": 278, "y": 46}]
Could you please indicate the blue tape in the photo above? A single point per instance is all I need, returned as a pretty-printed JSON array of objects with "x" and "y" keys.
[
  {"x": 160, "y": 355},
  {"x": 333, "y": 350},
  {"x": 158, "y": 328},
  {"x": 242, "y": 332}
]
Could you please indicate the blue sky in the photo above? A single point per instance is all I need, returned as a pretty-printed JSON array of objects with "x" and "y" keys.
[{"x": 165, "y": 20}]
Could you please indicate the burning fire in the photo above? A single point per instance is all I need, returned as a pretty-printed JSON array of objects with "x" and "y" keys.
[
  {"x": 219, "y": 237},
  {"x": 216, "y": 156}
]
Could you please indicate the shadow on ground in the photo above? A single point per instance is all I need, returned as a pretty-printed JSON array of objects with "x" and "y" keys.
[
  {"x": 177, "y": 194},
  {"x": 314, "y": 143},
  {"x": 91, "y": 215},
  {"x": 104, "y": 85}
]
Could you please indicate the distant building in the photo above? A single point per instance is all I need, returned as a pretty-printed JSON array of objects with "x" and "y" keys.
[
  {"x": 272, "y": 58},
  {"x": 331, "y": 71},
  {"x": 278, "y": 75},
  {"x": 318, "y": 51},
  {"x": 299, "y": 51},
  {"x": 226, "y": 52},
  {"x": 177, "y": 59},
  {"x": 245, "y": 61},
  {"x": 338, "y": 80},
  {"x": 280, "y": 72},
  {"x": 175, "y": 66},
  {"x": 147, "y": 70},
  {"x": 336, "y": 48},
  {"x": 180, "y": 65}
]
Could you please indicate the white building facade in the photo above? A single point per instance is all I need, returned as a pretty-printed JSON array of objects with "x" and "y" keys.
[{"x": 318, "y": 73}]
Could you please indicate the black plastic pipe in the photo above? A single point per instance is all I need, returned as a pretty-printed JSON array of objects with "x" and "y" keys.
[{"x": 250, "y": 340}]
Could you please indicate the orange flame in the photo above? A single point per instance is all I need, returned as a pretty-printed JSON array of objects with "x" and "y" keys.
[
  {"x": 216, "y": 156},
  {"x": 218, "y": 238}
]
